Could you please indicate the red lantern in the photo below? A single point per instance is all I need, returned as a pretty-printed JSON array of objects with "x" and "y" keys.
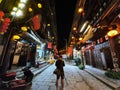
[
  {"x": 36, "y": 22},
  {"x": 5, "y": 25},
  {"x": 1, "y": 14},
  {"x": 3, "y": 28},
  {"x": 7, "y": 20}
]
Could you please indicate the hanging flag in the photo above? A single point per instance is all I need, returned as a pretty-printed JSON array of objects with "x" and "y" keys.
[
  {"x": 49, "y": 45},
  {"x": 55, "y": 49},
  {"x": 70, "y": 50}
]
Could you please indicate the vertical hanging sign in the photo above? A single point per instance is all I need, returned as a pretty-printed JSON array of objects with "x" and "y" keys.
[{"x": 49, "y": 45}]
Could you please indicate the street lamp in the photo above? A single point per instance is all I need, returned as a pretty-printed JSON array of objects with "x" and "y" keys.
[{"x": 16, "y": 12}]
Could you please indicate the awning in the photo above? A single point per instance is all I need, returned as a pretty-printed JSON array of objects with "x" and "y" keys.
[{"x": 30, "y": 37}]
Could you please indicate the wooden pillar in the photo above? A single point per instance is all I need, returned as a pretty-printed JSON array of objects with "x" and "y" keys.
[{"x": 115, "y": 51}]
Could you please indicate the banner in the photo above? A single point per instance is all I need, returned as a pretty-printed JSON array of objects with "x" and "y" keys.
[
  {"x": 70, "y": 50},
  {"x": 49, "y": 45}
]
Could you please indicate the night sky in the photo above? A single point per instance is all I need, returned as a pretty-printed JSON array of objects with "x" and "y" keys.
[{"x": 64, "y": 17}]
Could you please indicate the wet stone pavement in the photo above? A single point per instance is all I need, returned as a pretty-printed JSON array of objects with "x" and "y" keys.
[{"x": 75, "y": 79}]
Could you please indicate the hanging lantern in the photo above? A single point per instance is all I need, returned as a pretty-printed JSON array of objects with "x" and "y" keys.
[
  {"x": 5, "y": 25},
  {"x": 24, "y": 28},
  {"x": 1, "y": 14},
  {"x": 36, "y": 22},
  {"x": 7, "y": 20},
  {"x": 112, "y": 33},
  {"x": 16, "y": 37},
  {"x": 4, "y": 28},
  {"x": 39, "y": 5}
]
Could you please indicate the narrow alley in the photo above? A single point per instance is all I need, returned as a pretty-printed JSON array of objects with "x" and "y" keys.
[
  {"x": 36, "y": 33},
  {"x": 75, "y": 79}
]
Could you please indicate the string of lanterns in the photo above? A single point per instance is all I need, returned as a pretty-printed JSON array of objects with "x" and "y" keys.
[{"x": 4, "y": 23}]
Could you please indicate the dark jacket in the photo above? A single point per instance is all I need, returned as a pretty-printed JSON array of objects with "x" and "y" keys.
[{"x": 60, "y": 64}]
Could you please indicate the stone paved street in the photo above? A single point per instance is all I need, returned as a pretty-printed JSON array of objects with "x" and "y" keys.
[{"x": 75, "y": 79}]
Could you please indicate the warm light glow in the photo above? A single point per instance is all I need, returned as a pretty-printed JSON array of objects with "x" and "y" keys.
[
  {"x": 80, "y": 10},
  {"x": 71, "y": 45},
  {"x": 48, "y": 24},
  {"x": 52, "y": 14},
  {"x": 86, "y": 30},
  {"x": 2, "y": 33},
  {"x": 44, "y": 43},
  {"x": 24, "y": 1},
  {"x": 39, "y": 5},
  {"x": 38, "y": 46},
  {"x": 112, "y": 33},
  {"x": 24, "y": 28},
  {"x": 13, "y": 13},
  {"x": 72, "y": 37},
  {"x": 19, "y": 13},
  {"x": 84, "y": 26},
  {"x": 52, "y": 37},
  {"x": 16, "y": 12},
  {"x": 30, "y": 9},
  {"x": 14, "y": 9},
  {"x": 72, "y": 42},
  {"x": 74, "y": 28},
  {"x": 16, "y": 37},
  {"x": 21, "y": 5},
  {"x": 80, "y": 38},
  {"x": 0, "y": 1}
]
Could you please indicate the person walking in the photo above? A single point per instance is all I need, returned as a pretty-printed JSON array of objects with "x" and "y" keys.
[{"x": 59, "y": 65}]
